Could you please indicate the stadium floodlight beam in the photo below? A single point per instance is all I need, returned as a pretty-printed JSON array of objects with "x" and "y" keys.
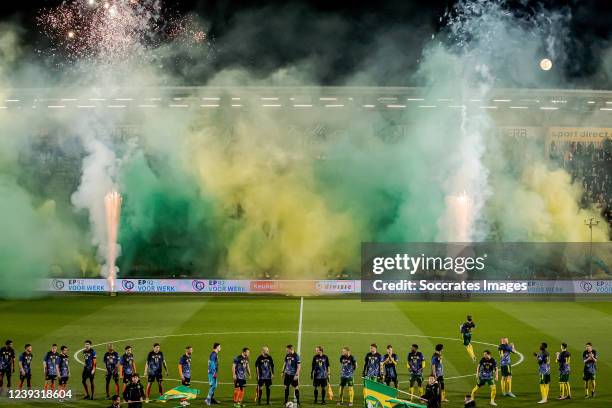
[{"x": 591, "y": 222}]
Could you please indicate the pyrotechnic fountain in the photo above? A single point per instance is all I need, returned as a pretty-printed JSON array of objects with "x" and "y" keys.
[
  {"x": 112, "y": 205},
  {"x": 460, "y": 216}
]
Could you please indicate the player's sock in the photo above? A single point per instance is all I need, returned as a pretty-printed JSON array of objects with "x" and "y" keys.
[
  {"x": 493, "y": 392},
  {"x": 568, "y": 390},
  {"x": 341, "y": 395},
  {"x": 316, "y": 394},
  {"x": 351, "y": 392},
  {"x": 421, "y": 391},
  {"x": 509, "y": 385},
  {"x": 503, "y": 385},
  {"x": 411, "y": 393},
  {"x": 117, "y": 389},
  {"x": 235, "y": 398},
  {"x": 267, "y": 394},
  {"x": 160, "y": 388},
  {"x": 443, "y": 395},
  {"x": 543, "y": 392},
  {"x": 297, "y": 396},
  {"x": 470, "y": 350},
  {"x": 92, "y": 389},
  {"x": 473, "y": 393},
  {"x": 286, "y": 394},
  {"x": 593, "y": 383}
]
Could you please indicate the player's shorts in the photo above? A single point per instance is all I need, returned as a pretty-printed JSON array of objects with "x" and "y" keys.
[
  {"x": 441, "y": 381},
  {"x": 186, "y": 381},
  {"x": 87, "y": 374},
  {"x": 63, "y": 380},
  {"x": 290, "y": 380},
  {"x": 486, "y": 381},
  {"x": 27, "y": 377},
  {"x": 127, "y": 378},
  {"x": 6, "y": 371},
  {"x": 416, "y": 378},
  {"x": 114, "y": 376},
  {"x": 564, "y": 378},
  {"x": 346, "y": 381},
  {"x": 264, "y": 381},
  {"x": 155, "y": 377},
  {"x": 50, "y": 377},
  {"x": 506, "y": 370},
  {"x": 389, "y": 379},
  {"x": 588, "y": 376},
  {"x": 319, "y": 382},
  {"x": 239, "y": 383},
  {"x": 544, "y": 378},
  {"x": 467, "y": 339}
]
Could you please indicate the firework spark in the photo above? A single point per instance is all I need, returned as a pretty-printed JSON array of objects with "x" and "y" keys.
[
  {"x": 115, "y": 30},
  {"x": 112, "y": 205}
]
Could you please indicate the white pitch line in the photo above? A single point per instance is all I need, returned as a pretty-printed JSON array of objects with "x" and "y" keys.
[
  {"x": 300, "y": 331},
  {"x": 299, "y": 343}
]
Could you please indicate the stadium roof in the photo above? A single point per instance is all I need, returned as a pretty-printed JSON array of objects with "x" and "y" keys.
[{"x": 530, "y": 105}]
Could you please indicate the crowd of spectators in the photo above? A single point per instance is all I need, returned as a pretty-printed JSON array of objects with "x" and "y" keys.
[{"x": 590, "y": 164}]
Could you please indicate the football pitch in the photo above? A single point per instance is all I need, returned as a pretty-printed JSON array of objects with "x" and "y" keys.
[{"x": 236, "y": 322}]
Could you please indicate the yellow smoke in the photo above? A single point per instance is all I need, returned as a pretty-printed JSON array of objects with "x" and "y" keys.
[
  {"x": 544, "y": 207},
  {"x": 273, "y": 218}
]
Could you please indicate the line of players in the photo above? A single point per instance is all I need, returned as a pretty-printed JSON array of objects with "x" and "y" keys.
[
  {"x": 377, "y": 367},
  {"x": 487, "y": 372}
]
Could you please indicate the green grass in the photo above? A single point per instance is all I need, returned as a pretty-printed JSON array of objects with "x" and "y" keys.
[{"x": 199, "y": 321}]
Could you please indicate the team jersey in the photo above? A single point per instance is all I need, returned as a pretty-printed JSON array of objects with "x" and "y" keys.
[
  {"x": 371, "y": 367},
  {"x": 436, "y": 365},
  {"x": 88, "y": 357},
  {"x": 7, "y": 355},
  {"x": 544, "y": 362},
  {"x": 111, "y": 362},
  {"x": 213, "y": 363},
  {"x": 185, "y": 362},
  {"x": 51, "y": 361},
  {"x": 390, "y": 366},
  {"x": 26, "y": 362},
  {"x": 264, "y": 366},
  {"x": 347, "y": 366},
  {"x": 127, "y": 362},
  {"x": 467, "y": 327},
  {"x": 487, "y": 368},
  {"x": 564, "y": 362},
  {"x": 505, "y": 352},
  {"x": 415, "y": 362},
  {"x": 590, "y": 366},
  {"x": 241, "y": 364},
  {"x": 320, "y": 366},
  {"x": 292, "y": 361},
  {"x": 64, "y": 369},
  {"x": 154, "y": 362}
]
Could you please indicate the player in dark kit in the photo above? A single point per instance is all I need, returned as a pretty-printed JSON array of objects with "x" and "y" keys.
[
  {"x": 437, "y": 370},
  {"x": 543, "y": 358},
  {"x": 372, "y": 368},
  {"x": 89, "y": 369},
  {"x": 264, "y": 369},
  {"x": 319, "y": 374},
  {"x": 134, "y": 392},
  {"x": 390, "y": 367},
  {"x": 416, "y": 364},
  {"x": 563, "y": 358},
  {"x": 466, "y": 332},
  {"x": 184, "y": 366},
  {"x": 589, "y": 357},
  {"x": 291, "y": 373},
  {"x": 153, "y": 368},
  {"x": 64, "y": 368},
  {"x": 51, "y": 367},
  {"x": 213, "y": 372},
  {"x": 7, "y": 364},
  {"x": 127, "y": 366},
  {"x": 486, "y": 373},
  {"x": 25, "y": 367},
  {"x": 241, "y": 370},
  {"x": 506, "y": 350},
  {"x": 111, "y": 362},
  {"x": 348, "y": 365}
]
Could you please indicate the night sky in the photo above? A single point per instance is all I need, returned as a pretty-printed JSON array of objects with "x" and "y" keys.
[{"x": 340, "y": 35}]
